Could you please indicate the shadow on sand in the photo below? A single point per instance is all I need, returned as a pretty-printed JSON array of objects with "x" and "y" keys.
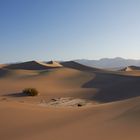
[
  {"x": 16, "y": 95},
  {"x": 113, "y": 87}
]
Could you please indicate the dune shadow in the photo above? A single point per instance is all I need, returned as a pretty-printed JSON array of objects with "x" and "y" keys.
[
  {"x": 16, "y": 95},
  {"x": 113, "y": 87},
  {"x": 3, "y": 72}
]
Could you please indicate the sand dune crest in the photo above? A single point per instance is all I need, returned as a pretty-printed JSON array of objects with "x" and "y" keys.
[
  {"x": 33, "y": 65},
  {"x": 78, "y": 66}
]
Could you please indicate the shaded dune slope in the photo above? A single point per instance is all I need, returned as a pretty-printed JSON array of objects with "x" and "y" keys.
[
  {"x": 114, "y": 87},
  {"x": 3, "y": 72},
  {"x": 78, "y": 66},
  {"x": 109, "y": 86}
]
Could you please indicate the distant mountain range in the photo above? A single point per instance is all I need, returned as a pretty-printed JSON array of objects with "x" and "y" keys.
[{"x": 109, "y": 62}]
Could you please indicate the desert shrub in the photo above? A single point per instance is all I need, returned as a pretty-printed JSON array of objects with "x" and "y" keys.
[
  {"x": 30, "y": 92},
  {"x": 79, "y": 105}
]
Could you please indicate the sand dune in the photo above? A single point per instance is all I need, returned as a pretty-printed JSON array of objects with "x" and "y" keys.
[
  {"x": 54, "y": 63},
  {"x": 78, "y": 66},
  {"x": 100, "y": 86},
  {"x": 2, "y": 65},
  {"x": 33, "y": 65},
  {"x": 131, "y": 68},
  {"x": 7, "y": 73},
  {"x": 114, "y": 112},
  {"x": 55, "y": 83},
  {"x": 113, "y": 87}
]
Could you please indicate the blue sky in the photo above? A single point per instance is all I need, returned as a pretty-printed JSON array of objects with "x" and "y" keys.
[{"x": 69, "y": 29}]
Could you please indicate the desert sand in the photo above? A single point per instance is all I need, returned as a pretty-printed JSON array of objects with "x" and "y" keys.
[
  {"x": 130, "y": 68},
  {"x": 109, "y": 102}
]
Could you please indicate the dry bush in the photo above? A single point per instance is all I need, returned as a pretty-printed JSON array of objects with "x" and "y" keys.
[{"x": 30, "y": 92}]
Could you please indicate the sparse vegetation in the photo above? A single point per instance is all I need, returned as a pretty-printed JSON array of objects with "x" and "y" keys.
[
  {"x": 79, "y": 105},
  {"x": 30, "y": 92}
]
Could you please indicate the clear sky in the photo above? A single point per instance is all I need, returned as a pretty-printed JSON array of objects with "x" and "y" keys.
[{"x": 69, "y": 29}]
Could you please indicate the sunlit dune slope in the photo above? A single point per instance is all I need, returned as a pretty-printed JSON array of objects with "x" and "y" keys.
[
  {"x": 117, "y": 121},
  {"x": 57, "y": 82}
]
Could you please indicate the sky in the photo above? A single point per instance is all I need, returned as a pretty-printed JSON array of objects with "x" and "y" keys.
[{"x": 69, "y": 29}]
